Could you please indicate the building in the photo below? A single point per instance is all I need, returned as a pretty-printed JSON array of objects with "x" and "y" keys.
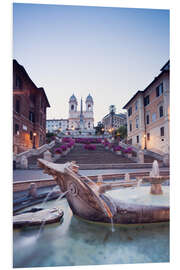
[
  {"x": 148, "y": 114},
  {"x": 57, "y": 124},
  {"x": 29, "y": 111},
  {"x": 114, "y": 121},
  {"x": 81, "y": 120}
]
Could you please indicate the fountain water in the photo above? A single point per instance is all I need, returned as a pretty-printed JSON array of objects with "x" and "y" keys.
[
  {"x": 62, "y": 195},
  {"x": 49, "y": 194},
  {"x": 155, "y": 169},
  {"x": 127, "y": 177}
]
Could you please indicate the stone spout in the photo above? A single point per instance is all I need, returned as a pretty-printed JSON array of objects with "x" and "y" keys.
[{"x": 90, "y": 202}]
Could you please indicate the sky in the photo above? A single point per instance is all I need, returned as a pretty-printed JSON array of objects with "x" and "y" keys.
[{"x": 110, "y": 53}]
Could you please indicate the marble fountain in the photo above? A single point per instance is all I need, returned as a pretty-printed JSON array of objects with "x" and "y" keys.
[{"x": 129, "y": 216}]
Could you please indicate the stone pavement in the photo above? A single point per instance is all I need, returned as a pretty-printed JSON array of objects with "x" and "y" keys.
[{"x": 25, "y": 175}]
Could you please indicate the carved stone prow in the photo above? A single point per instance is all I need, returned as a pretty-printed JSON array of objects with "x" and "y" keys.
[{"x": 83, "y": 197}]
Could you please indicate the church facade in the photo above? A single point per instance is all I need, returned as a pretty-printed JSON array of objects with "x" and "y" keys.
[{"x": 82, "y": 120}]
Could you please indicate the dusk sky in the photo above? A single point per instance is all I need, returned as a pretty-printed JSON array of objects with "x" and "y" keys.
[{"x": 108, "y": 52}]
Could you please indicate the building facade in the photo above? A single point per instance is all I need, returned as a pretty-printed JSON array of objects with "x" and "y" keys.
[
  {"x": 148, "y": 114},
  {"x": 81, "y": 119},
  {"x": 29, "y": 111},
  {"x": 114, "y": 121},
  {"x": 53, "y": 125}
]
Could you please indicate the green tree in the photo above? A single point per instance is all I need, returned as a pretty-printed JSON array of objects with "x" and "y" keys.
[
  {"x": 121, "y": 132},
  {"x": 99, "y": 129}
]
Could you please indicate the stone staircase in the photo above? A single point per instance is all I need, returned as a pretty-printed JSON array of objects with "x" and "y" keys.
[{"x": 98, "y": 156}]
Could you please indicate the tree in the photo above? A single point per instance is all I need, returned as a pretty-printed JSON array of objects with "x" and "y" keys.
[
  {"x": 121, "y": 132},
  {"x": 99, "y": 129}
]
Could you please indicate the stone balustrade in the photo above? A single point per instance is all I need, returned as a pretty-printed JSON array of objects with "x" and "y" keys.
[{"x": 33, "y": 152}]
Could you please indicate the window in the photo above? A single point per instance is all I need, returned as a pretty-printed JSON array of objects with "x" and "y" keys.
[
  {"x": 161, "y": 113},
  {"x": 18, "y": 82},
  {"x": 162, "y": 131},
  {"x": 153, "y": 117},
  {"x": 129, "y": 111},
  {"x": 17, "y": 105},
  {"x": 159, "y": 90},
  {"x": 137, "y": 122},
  {"x": 148, "y": 136},
  {"x": 17, "y": 129},
  {"x": 146, "y": 100},
  {"x": 130, "y": 126},
  {"x": 136, "y": 105},
  {"x": 147, "y": 119},
  {"x": 72, "y": 107},
  {"x": 41, "y": 119},
  {"x": 33, "y": 98},
  {"x": 137, "y": 139},
  {"x": 32, "y": 117},
  {"x": 31, "y": 135}
]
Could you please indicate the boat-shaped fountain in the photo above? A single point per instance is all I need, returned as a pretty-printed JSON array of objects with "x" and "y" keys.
[{"x": 91, "y": 201}]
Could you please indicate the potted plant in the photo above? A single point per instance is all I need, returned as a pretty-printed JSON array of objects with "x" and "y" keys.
[
  {"x": 128, "y": 151},
  {"x": 118, "y": 150},
  {"x": 64, "y": 150},
  {"x": 57, "y": 153}
]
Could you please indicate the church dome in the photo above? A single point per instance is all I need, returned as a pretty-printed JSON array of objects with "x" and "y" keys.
[
  {"x": 73, "y": 99},
  {"x": 89, "y": 98}
]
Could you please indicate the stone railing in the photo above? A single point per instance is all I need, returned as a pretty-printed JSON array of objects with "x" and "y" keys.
[
  {"x": 33, "y": 152},
  {"x": 141, "y": 152}
]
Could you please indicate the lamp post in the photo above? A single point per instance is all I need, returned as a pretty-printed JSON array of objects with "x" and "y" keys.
[{"x": 34, "y": 140}]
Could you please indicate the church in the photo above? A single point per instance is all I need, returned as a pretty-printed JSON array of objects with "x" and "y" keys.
[{"x": 81, "y": 120}]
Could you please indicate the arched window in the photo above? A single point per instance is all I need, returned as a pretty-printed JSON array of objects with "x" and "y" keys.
[
  {"x": 72, "y": 107},
  {"x": 89, "y": 107}
]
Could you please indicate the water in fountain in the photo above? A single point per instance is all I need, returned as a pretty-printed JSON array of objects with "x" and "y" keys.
[
  {"x": 139, "y": 183},
  {"x": 155, "y": 169},
  {"x": 49, "y": 194},
  {"x": 62, "y": 195},
  {"x": 44, "y": 221},
  {"x": 40, "y": 229},
  {"x": 127, "y": 177}
]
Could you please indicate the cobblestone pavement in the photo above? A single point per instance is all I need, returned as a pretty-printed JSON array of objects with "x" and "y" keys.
[{"x": 25, "y": 175}]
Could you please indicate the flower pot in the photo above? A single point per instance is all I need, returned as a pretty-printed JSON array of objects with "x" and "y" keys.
[{"x": 57, "y": 156}]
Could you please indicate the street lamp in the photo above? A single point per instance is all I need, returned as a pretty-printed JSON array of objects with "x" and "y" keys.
[{"x": 34, "y": 140}]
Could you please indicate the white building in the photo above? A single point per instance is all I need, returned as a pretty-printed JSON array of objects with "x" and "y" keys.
[
  {"x": 53, "y": 125},
  {"x": 114, "y": 121},
  {"x": 79, "y": 119}
]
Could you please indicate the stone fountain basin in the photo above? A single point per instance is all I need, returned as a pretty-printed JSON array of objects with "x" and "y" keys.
[
  {"x": 89, "y": 201},
  {"x": 33, "y": 219}
]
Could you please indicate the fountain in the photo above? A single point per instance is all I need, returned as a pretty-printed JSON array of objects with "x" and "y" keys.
[
  {"x": 89, "y": 201},
  {"x": 131, "y": 213},
  {"x": 155, "y": 179}
]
